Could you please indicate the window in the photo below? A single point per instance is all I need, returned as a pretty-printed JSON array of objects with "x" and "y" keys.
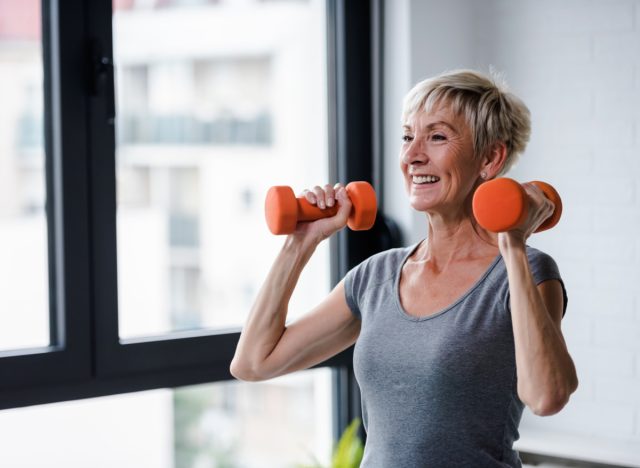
[
  {"x": 24, "y": 296},
  {"x": 237, "y": 105},
  {"x": 140, "y": 210},
  {"x": 282, "y": 422}
]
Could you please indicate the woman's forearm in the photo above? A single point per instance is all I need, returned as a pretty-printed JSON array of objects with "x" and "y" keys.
[
  {"x": 545, "y": 370},
  {"x": 266, "y": 321}
]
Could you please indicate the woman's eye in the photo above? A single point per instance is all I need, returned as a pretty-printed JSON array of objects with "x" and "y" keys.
[
  {"x": 407, "y": 138},
  {"x": 438, "y": 137}
]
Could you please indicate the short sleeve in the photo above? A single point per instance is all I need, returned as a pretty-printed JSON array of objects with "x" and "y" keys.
[
  {"x": 544, "y": 268},
  {"x": 354, "y": 282}
]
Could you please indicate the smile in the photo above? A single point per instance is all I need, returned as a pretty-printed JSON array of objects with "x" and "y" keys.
[{"x": 427, "y": 179}]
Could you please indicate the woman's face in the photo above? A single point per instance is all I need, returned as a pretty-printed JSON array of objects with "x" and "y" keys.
[{"x": 437, "y": 160}]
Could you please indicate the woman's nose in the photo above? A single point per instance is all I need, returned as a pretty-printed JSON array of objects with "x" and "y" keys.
[{"x": 414, "y": 154}]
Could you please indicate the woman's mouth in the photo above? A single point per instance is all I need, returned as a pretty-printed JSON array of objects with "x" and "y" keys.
[{"x": 425, "y": 179}]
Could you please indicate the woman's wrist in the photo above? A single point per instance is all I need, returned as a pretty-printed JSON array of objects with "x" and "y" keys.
[
  {"x": 511, "y": 242},
  {"x": 300, "y": 244}
]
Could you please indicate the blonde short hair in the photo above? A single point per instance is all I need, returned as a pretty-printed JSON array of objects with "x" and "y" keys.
[{"x": 492, "y": 112}]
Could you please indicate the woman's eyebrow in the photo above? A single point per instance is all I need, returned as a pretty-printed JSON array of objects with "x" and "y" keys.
[{"x": 433, "y": 125}]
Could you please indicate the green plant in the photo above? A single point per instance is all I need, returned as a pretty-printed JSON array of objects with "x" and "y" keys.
[{"x": 348, "y": 451}]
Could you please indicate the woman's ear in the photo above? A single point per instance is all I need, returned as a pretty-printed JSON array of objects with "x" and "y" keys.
[{"x": 495, "y": 160}]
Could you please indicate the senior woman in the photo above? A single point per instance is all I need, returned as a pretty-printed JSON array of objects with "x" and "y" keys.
[{"x": 453, "y": 335}]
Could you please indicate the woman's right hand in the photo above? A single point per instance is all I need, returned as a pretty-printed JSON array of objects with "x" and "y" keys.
[{"x": 325, "y": 197}]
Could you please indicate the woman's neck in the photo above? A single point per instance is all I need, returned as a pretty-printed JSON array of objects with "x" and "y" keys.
[{"x": 450, "y": 240}]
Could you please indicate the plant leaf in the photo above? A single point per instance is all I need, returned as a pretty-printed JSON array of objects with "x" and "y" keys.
[{"x": 349, "y": 450}]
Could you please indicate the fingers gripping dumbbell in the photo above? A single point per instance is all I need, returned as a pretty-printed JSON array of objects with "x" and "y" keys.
[
  {"x": 502, "y": 204},
  {"x": 283, "y": 210}
]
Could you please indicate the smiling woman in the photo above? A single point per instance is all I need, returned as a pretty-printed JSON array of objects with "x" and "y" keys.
[
  {"x": 453, "y": 335},
  {"x": 481, "y": 307}
]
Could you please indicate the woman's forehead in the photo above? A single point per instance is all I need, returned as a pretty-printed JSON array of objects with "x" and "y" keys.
[{"x": 441, "y": 114}]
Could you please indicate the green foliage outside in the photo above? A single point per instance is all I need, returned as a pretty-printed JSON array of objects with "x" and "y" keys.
[{"x": 348, "y": 451}]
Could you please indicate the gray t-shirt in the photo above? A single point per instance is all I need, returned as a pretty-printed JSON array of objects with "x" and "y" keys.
[{"x": 437, "y": 391}]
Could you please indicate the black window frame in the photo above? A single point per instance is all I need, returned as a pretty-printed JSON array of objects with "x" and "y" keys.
[
  {"x": 68, "y": 357},
  {"x": 88, "y": 359}
]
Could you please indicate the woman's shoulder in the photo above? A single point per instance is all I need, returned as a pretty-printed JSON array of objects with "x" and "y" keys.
[
  {"x": 396, "y": 254},
  {"x": 386, "y": 262},
  {"x": 537, "y": 255},
  {"x": 542, "y": 264},
  {"x": 535, "y": 251}
]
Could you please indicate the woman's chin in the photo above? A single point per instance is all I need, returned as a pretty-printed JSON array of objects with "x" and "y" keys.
[{"x": 422, "y": 205}]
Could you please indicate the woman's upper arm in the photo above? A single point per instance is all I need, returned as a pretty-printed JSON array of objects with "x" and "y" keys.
[{"x": 323, "y": 332}]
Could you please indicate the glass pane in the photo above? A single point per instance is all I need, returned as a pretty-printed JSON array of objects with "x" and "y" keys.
[
  {"x": 206, "y": 124},
  {"x": 285, "y": 422},
  {"x": 24, "y": 299}
]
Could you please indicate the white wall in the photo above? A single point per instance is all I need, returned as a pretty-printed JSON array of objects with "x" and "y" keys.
[{"x": 577, "y": 66}]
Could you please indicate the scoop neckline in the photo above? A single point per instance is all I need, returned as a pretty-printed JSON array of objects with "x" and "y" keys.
[{"x": 407, "y": 316}]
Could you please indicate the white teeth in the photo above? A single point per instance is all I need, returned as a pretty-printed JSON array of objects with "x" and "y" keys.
[{"x": 429, "y": 179}]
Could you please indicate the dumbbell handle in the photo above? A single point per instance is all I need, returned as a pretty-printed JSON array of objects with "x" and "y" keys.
[
  {"x": 309, "y": 212},
  {"x": 502, "y": 205}
]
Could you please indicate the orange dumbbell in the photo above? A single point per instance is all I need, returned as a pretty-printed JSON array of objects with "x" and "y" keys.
[
  {"x": 283, "y": 210},
  {"x": 502, "y": 204}
]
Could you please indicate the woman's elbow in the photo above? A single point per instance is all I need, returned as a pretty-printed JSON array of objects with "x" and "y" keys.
[
  {"x": 244, "y": 373},
  {"x": 553, "y": 402},
  {"x": 548, "y": 407}
]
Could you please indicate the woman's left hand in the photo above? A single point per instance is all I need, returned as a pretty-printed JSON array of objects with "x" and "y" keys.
[{"x": 540, "y": 208}]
